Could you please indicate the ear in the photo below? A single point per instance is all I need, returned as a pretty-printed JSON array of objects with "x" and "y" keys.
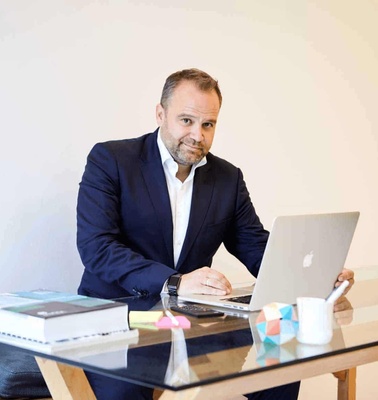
[{"x": 160, "y": 114}]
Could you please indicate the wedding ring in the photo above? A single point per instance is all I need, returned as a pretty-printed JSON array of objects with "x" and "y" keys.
[{"x": 207, "y": 282}]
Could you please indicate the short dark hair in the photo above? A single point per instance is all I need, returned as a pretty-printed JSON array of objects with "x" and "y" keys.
[{"x": 202, "y": 80}]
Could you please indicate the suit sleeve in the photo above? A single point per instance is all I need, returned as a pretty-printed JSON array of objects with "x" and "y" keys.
[
  {"x": 247, "y": 238},
  {"x": 99, "y": 236}
]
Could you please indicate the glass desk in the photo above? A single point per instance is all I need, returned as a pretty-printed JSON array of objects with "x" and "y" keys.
[{"x": 222, "y": 357}]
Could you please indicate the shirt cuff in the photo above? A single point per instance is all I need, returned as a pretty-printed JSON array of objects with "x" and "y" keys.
[{"x": 164, "y": 290}]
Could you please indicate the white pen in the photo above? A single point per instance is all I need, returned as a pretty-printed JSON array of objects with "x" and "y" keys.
[
  {"x": 336, "y": 293},
  {"x": 172, "y": 318}
]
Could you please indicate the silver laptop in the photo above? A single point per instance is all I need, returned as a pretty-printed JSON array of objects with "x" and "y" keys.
[{"x": 303, "y": 257}]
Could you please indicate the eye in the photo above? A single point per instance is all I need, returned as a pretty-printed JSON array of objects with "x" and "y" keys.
[
  {"x": 207, "y": 125},
  {"x": 186, "y": 121}
]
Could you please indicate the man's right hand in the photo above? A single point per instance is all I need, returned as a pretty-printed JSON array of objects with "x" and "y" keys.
[{"x": 205, "y": 281}]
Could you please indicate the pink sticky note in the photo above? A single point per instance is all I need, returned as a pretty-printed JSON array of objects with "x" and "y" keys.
[{"x": 166, "y": 323}]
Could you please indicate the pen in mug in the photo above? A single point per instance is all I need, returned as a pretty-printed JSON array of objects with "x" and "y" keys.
[{"x": 336, "y": 293}]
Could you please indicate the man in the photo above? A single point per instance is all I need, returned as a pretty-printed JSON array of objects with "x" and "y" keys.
[{"x": 153, "y": 211}]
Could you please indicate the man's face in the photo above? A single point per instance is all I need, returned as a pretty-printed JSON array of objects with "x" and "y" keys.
[{"x": 187, "y": 124}]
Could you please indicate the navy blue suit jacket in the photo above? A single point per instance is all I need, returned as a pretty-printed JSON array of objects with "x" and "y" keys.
[{"x": 124, "y": 219}]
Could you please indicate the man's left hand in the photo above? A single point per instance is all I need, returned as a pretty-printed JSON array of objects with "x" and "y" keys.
[{"x": 342, "y": 303}]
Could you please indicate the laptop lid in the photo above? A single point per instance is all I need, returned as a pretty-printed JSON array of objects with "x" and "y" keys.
[{"x": 303, "y": 257}]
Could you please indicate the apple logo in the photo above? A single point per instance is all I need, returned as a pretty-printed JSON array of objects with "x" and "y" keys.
[{"x": 307, "y": 261}]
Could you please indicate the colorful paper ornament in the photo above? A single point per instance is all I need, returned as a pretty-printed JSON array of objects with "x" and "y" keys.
[
  {"x": 277, "y": 323},
  {"x": 269, "y": 354}
]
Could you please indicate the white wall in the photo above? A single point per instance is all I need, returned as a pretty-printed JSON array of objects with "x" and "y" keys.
[
  {"x": 299, "y": 116},
  {"x": 300, "y": 87}
]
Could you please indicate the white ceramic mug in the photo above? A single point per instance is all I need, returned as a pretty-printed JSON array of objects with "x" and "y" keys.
[{"x": 315, "y": 317}]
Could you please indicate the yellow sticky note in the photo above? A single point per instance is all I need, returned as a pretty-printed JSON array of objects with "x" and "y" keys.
[{"x": 142, "y": 317}]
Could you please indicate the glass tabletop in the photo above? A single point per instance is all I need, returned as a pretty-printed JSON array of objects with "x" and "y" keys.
[{"x": 215, "y": 349}]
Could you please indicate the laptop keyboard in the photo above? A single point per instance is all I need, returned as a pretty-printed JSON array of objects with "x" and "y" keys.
[{"x": 240, "y": 299}]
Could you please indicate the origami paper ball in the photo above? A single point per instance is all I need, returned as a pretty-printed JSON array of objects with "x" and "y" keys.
[
  {"x": 277, "y": 323},
  {"x": 269, "y": 354}
]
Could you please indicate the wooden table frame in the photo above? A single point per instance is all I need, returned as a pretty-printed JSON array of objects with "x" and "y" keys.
[{"x": 69, "y": 383}]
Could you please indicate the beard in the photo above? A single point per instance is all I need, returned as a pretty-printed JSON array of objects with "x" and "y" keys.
[{"x": 187, "y": 151}]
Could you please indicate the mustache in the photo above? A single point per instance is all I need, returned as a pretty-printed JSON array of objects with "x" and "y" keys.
[{"x": 193, "y": 143}]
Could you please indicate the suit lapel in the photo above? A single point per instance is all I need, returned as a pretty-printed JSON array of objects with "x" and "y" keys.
[
  {"x": 154, "y": 177},
  {"x": 201, "y": 199}
]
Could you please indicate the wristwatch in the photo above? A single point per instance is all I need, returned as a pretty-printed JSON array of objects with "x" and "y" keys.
[{"x": 173, "y": 284}]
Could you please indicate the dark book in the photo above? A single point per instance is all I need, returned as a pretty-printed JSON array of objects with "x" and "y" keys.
[{"x": 48, "y": 316}]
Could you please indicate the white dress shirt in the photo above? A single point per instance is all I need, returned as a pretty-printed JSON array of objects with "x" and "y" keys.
[{"x": 180, "y": 195}]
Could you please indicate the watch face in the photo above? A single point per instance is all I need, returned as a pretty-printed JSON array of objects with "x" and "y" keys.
[
  {"x": 174, "y": 280},
  {"x": 173, "y": 284}
]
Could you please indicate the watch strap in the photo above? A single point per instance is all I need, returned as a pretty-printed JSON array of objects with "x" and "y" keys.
[{"x": 173, "y": 284}]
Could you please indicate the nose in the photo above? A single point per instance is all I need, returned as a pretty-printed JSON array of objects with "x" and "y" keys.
[{"x": 196, "y": 133}]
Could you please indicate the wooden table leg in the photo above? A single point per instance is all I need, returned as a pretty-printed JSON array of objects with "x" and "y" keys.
[
  {"x": 188, "y": 394},
  {"x": 65, "y": 382},
  {"x": 346, "y": 384}
]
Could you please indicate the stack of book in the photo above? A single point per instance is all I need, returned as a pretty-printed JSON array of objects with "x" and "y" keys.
[{"x": 51, "y": 321}]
